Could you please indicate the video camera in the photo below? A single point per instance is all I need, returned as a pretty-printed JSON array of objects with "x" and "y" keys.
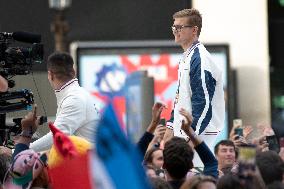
[{"x": 17, "y": 61}]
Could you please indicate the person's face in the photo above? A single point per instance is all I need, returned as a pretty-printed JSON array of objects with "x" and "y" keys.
[
  {"x": 226, "y": 156},
  {"x": 158, "y": 159},
  {"x": 207, "y": 185},
  {"x": 183, "y": 34}
]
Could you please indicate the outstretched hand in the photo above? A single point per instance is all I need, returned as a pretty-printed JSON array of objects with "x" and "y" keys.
[
  {"x": 239, "y": 140},
  {"x": 157, "y": 109},
  {"x": 156, "y": 112},
  {"x": 261, "y": 143},
  {"x": 159, "y": 134},
  {"x": 186, "y": 127},
  {"x": 30, "y": 122}
]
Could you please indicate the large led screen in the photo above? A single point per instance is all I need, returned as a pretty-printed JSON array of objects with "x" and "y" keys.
[{"x": 103, "y": 67}]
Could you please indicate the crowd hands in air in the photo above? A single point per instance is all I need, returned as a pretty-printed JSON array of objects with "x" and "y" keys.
[
  {"x": 168, "y": 160},
  {"x": 242, "y": 161}
]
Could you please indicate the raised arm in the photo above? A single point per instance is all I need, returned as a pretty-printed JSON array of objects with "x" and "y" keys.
[
  {"x": 169, "y": 130},
  {"x": 144, "y": 141},
  {"x": 70, "y": 118},
  {"x": 206, "y": 156},
  {"x": 29, "y": 125}
]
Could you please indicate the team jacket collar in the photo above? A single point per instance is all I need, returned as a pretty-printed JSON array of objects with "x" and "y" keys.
[
  {"x": 192, "y": 47},
  {"x": 73, "y": 81}
]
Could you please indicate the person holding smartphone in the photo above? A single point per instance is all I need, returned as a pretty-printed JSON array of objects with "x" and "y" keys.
[
  {"x": 239, "y": 133},
  {"x": 154, "y": 132}
]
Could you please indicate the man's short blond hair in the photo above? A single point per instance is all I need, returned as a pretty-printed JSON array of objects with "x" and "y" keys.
[{"x": 194, "y": 17}]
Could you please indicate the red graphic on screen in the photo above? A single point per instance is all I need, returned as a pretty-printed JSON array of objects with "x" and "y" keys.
[{"x": 164, "y": 72}]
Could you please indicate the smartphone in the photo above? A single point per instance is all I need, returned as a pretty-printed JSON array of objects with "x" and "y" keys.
[
  {"x": 237, "y": 123},
  {"x": 273, "y": 143},
  {"x": 238, "y": 131},
  {"x": 162, "y": 122},
  {"x": 238, "y": 127}
]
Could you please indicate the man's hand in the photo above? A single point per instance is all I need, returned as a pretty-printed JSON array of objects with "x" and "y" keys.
[
  {"x": 168, "y": 135},
  {"x": 159, "y": 133},
  {"x": 239, "y": 140},
  {"x": 186, "y": 123},
  {"x": 5, "y": 150},
  {"x": 30, "y": 122},
  {"x": 261, "y": 144},
  {"x": 186, "y": 127},
  {"x": 247, "y": 130},
  {"x": 156, "y": 112}
]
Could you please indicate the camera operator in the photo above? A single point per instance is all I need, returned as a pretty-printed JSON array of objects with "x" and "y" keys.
[
  {"x": 3, "y": 84},
  {"x": 29, "y": 125}
]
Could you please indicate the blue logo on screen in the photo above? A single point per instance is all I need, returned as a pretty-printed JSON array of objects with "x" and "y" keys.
[{"x": 111, "y": 80}]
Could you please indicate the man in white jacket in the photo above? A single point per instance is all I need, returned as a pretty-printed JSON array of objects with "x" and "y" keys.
[{"x": 76, "y": 110}]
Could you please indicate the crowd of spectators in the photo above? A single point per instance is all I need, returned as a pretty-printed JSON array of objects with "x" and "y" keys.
[{"x": 239, "y": 162}]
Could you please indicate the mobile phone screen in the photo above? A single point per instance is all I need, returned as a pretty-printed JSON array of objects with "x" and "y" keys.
[
  {"x": 273, "y": 143},
  {"x": 239, "y": 131},
  {"x": 162, "y": 122}
]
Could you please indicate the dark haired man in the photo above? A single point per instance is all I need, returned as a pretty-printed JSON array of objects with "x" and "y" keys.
[
  {"x": 178, "y": 156},
  {"x": 225, "y": 153},
  {"x": 76, "y": 110}
]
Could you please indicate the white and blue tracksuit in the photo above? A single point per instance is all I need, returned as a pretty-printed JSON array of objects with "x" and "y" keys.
[{"x": 200, "y": 91}]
